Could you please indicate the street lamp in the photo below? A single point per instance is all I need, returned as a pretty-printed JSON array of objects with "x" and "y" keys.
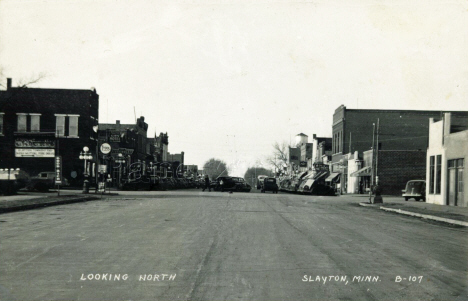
[
  {"x": 121, "y": 160},
  {"x": 85, "y": 155}
]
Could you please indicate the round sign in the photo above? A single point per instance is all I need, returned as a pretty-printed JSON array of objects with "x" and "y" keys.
[{"x": 106, "y": 148}]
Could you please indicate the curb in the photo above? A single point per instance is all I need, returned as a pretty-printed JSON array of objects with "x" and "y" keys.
[
  {"x": 366, "y": 205},
  {"x": 46, "y": 204},
  {"x": 425, "y": 216}
]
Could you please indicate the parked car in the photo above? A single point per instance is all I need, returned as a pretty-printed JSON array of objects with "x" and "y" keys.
[
  {"x": 269, "y": 184},
  {"x": 224, "y": 184},
  {"x": 415, "y": 189},
  {"x": 242, "y": 185},
  {"x": 44, "y": 181},
  {"x": 12, "y": 180}
]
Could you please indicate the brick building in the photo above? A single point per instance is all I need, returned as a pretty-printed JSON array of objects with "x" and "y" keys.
[
  {"x": 38, "y": 124},
  {"x": 402, "y": 144}
]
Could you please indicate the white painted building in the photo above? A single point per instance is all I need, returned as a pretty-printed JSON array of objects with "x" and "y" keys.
[{"x": 447, "y": 155}]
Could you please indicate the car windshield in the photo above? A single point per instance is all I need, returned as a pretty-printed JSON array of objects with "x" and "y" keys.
[{"x": 414, "y": 184}]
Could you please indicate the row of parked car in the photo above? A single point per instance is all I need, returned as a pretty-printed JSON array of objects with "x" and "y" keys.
[{"x": 227, "y": 183}]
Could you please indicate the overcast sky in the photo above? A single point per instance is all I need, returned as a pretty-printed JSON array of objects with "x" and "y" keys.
[{"x": 227, "y": 79}]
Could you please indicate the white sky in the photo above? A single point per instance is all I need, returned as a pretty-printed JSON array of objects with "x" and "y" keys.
[{"x": 227, "y": 79}]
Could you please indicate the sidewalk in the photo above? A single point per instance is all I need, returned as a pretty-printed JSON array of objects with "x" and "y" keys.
[
  {"x": 447, "y": 214},
  {"x": 25, "y": 201}
]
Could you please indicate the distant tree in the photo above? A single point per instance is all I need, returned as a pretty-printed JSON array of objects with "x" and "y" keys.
[
  {"x": 279, "y": 159},
  {"x": 253, "y": 172},
  {"x": 215, "y": 168}
]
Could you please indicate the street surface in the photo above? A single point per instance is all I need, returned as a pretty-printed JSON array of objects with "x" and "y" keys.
[{"x": 193, "y": 245}]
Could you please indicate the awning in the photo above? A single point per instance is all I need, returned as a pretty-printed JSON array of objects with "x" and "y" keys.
[
  {"x": 363, "y": 172},
  {"x": 332, "y": 177},
  {"x": 321, "y": 175},
  {"x": 309, "y": 183}
]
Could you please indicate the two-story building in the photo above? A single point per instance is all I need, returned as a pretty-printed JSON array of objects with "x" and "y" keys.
[
  {"x": 447, "y": 155},
  {"x": 37, "y": 124}
]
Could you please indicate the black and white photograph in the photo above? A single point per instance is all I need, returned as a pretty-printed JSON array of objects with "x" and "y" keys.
[{"x": 233, "y": 150}]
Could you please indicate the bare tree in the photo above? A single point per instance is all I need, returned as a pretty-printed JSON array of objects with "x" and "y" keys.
[
  {"x": 23, "y": 82},
  {"x": 279, "y": 159}
]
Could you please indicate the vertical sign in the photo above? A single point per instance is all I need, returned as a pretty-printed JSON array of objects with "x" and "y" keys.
[{"x": 58, "y": 170}]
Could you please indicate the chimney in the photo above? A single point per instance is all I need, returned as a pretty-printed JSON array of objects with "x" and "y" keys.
[
  {"x": 8, "y": 83},
  {"x": 117, "y": 122}
]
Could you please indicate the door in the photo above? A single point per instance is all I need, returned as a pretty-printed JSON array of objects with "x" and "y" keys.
[
  {"x": 451, "y": 191},
  {"x": 459, "y": 197}
]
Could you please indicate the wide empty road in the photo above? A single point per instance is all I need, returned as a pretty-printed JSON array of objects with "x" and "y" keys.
[{"x": 193, "y": 245}]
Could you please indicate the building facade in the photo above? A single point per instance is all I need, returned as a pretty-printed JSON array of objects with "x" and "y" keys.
[
  {"x": 36, "y": 125},
  {"x": 401, "y": 137},
  {"x": 446, "y": 160}
]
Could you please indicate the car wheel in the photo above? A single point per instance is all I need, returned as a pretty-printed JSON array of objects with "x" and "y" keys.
[
  {"x": 417, "y": 199},
  {"x": 406, "y": 199}
]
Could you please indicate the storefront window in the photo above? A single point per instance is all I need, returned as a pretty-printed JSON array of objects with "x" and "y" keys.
[
  {"x": 431, "y": 175},
  {"x": 438, "y": 174}
]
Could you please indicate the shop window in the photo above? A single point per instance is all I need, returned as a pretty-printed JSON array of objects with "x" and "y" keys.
[
  {"x": 431, "y": 175},
  {"x": 438, "y": 174},
  {"x": 460, "y": 174}
]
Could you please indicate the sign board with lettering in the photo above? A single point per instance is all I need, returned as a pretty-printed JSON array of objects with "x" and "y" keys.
[
  {"x": 102, "y": 187},
  {"x": 34, "y": 143},
  {"x": 35, "y": 152},
  {"x": 106, "y": 148},
  {"x": 114, "y": 137},
  {"x": 102, "y": 168},
  {"x": 124, "y": 151},
  {"x": 58, "y": 170}
]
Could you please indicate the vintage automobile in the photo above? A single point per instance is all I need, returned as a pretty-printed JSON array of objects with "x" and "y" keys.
[
  {"x": 269, "y": 184},
  {"x": 231, "y": 184},
  {"x": 260, "y": 181},
  {"x": 415, "y": 189},
  {"x": 242, "y": 185},
  {"x": 44, "y": 181},
  {"x": 11, "y": 180}
]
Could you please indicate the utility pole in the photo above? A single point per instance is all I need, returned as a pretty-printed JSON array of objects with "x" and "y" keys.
[{"x": 377, "y": 155}]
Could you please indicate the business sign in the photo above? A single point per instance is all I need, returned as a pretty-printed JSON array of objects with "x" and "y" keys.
[
  {"x": 35, "y": 152},
  {"x": 124, "y": 151},
  {"x": 102, "y": 168},
  {"x": 106, "y": 148},
  {"x": 114, "y": 137},
  {"x": 319, "y": 166},
  {"x": 34, "y": 143},
  {"x": 58, "y": 170}
]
